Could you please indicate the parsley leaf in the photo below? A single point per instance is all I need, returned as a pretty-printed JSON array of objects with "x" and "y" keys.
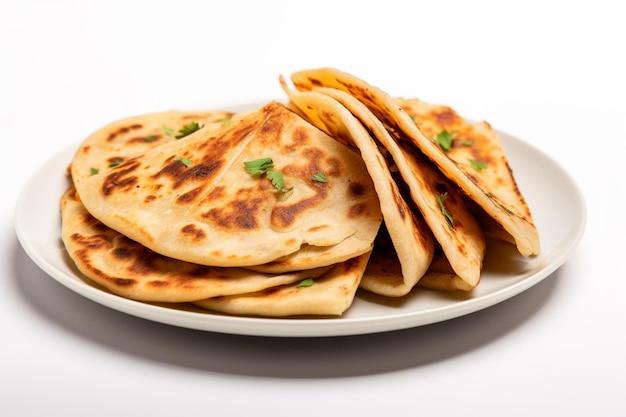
[
  {"x": 305, "y": 283},
  {"x": 319, "y": 177},
  {"x": 477, "y": 165},
  {"x": 278, "y": 180},
  {"x": 266, "y": 166},
  {"x": 188, "y": 129},
  {"x": 444, "y": 140},
  {"x": 168, "y": 130},
  {"x": 94, "y": 171},
  {"x": 441, "y": 198},
  {"x": 186, "y": 162},
  {"x": 150, "y": 138},
  {"x": 259, "y": 166}
]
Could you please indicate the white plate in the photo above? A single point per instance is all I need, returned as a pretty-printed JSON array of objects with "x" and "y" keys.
[{"x": 556, "y": 202}]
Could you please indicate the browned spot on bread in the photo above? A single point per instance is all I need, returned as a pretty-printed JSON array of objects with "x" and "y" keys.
[
  {"x": 284, "y": 216},
  {"x": 144, "y": 139},
  {"x": 357, "y": 210},
  {"x": 317, "y": 228},
  {"x": 446, "y": 116},
  {"x": 193, "y": 232},
  {"x": 241, "y": 213},
  {"x": 122, "y": 130},
  {"x": 355, "y": 190},
  {"x": 190, "y": 196},
  {"x": 120, "y": 179}
]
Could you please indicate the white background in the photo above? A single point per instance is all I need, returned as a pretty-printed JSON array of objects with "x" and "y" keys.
[{"x": 550, "y": 72}]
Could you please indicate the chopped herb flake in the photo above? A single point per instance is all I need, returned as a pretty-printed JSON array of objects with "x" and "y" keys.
[
  {"x": 151, "y": 138},
  {"x": 305, "y": 283},
  {"x": 188, "y": 129},
  {"x": 320, "y": 177},
  {"x": 444, "y": 140},
  {"x": 477, "y": 165},
  {"x": 168, "y": 130},
  {"x": 115, "y": 162},
  {"x": 441, "y": 198},
  {"x": 94, "y": 171},
  {"x": 186, "y": 162},
  {"x": 278, "y": 180},
  {"x": 266, "y": 166},
  {"x": 259, "y": 166}
]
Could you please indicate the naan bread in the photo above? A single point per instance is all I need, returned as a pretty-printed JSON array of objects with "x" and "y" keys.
[
  {"x": 127, "y": 138},
  {"x": 330, "y": 295},
  {"x": 412, "y": 241},
  {"x": 129, "y": 269},
  {"x": 384, "y": 270},
  {"x": 494, "y": 188},
  {"x": 456, "y": 230},
  {"x": 193, "y": 200}
]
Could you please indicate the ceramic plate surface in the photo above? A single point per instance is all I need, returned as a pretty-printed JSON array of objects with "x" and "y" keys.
[{"x": 557, "y": 205}]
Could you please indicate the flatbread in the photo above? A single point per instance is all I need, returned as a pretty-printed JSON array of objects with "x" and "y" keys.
[
  {"x": 133, "y": 136},
  {"x": 129, "y": 269},
  {"x": 412, "y": 241},
  {"x": 441, "y": 203},
  {"x": 384, "y": 270},
  {"x": 127, "y": 138},
  {"x": 330, "y": 295},
  {"x": 494, "y": 189},
  {"x": 193, "y": 200}
]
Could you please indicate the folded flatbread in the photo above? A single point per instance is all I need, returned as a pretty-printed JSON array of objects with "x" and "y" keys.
[
  {"x": 127, "y": 138},
  {"x": 328, "y": 295},
  {"x": 384, "y": 270},
  {"x": 413, "y": 242},
  {"x": 481, "y": 170},
  {"x": 131, "y": 270},
  {"x": 193, "y": 199},
  {"x": 440, "y": 201}
]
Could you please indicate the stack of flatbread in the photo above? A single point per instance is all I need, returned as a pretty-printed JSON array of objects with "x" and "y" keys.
[{"x": 289, "y": 209}]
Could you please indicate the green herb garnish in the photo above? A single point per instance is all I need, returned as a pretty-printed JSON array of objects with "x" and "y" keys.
[
  {"x": 441, "y": 198},
  {"x": 444, "y": 140},
  {"x": 150, "y": 138},
  {"x": 319, "y": 177},
  {"x": 477, "y": 165},
  {"x": 94, "y": 171},
  {"x": 305, "y": 283},
  {"x": 188, "y": 129},
  {"x": 259, "y": 166},
  {"x": 168, "y": 130},
  {"x": 278, "y": 180},
  {"x": 266, "y": 166},
  {"x": 115, "y": 162},
  {"x": 186, "y": 162}
]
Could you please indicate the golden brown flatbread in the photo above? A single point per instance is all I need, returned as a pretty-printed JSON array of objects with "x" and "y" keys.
[
  {"x": 131, "y": 270},
  {"x": 328, "y": 295},
  {"x": 193, "y": 199},
  {"x": 440, "y": 202},
  {"x": 480, "y": 170},
  {"x": 127, "y": 138},
  {"x": 413, "y": 242}
]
